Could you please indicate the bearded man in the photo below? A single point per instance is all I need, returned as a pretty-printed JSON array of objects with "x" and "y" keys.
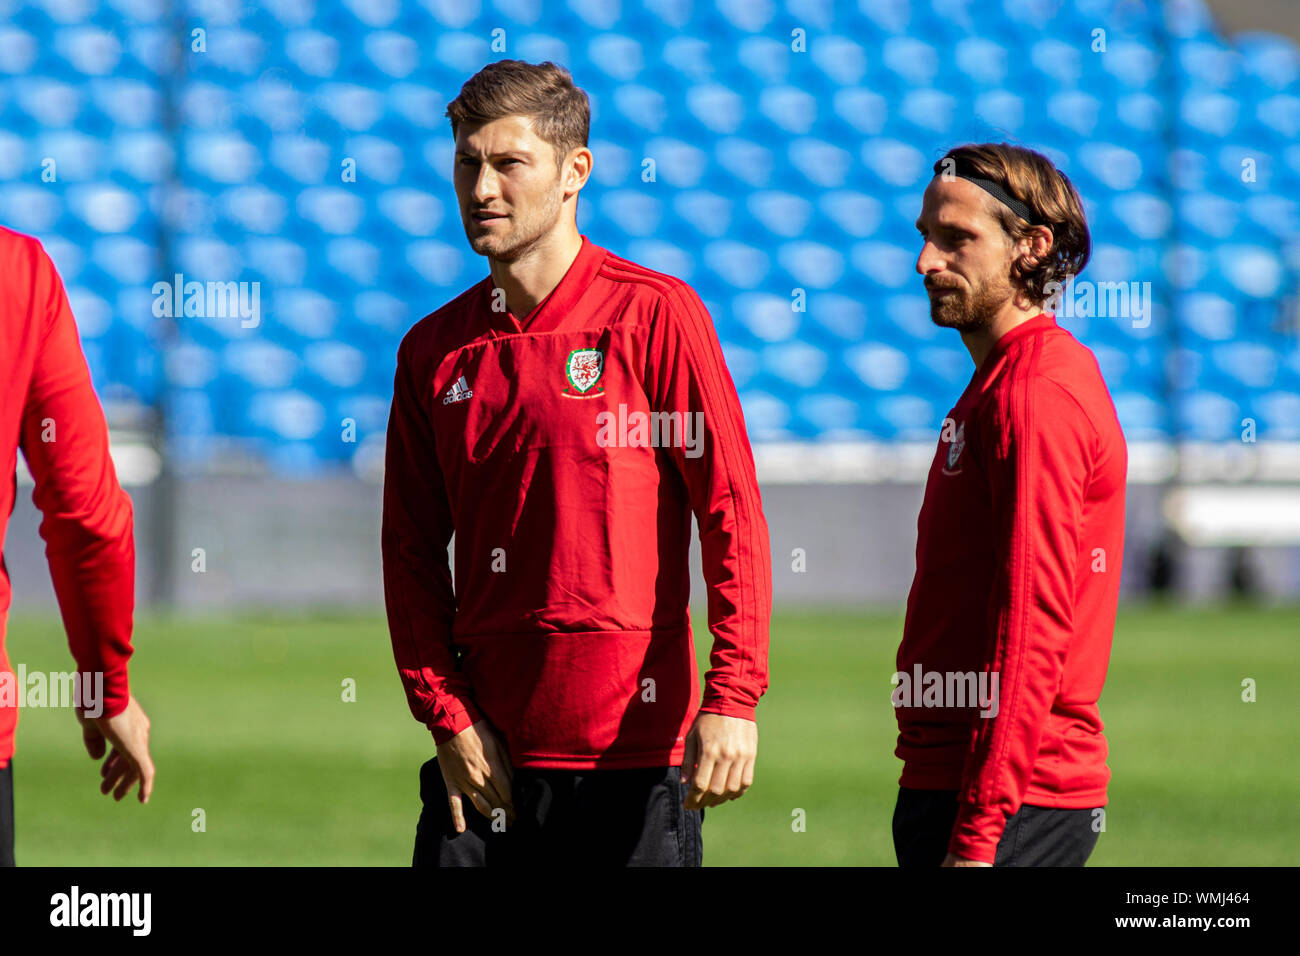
[{"x": 1019, "y": 540}]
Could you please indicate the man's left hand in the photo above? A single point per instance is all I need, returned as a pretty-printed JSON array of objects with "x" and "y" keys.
[
  {"x": 719, "y": 759},
  {"x": 954, "y": 860}
]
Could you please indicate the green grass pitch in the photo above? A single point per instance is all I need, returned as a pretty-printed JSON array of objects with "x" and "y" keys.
[{"x": 250, "y": 727}]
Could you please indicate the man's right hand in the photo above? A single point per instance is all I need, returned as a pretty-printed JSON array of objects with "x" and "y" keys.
[
  {"x": 475, "y": 764},
  {"x": 129, "y": 762}
]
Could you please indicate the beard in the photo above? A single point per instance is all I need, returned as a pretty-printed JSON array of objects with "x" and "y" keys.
[
  {"x": 970, "y": 311},
  {"x": 519, "y": 234}
]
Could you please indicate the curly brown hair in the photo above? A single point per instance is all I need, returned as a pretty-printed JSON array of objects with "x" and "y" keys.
[
  {"x": 544, "y": 92},
  {"x": 1053, "y": 201}
]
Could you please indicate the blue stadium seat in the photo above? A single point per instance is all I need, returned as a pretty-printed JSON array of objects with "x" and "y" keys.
[
  {"x": 1270, "y": 59},
  {"x": 775, "y": 170}
]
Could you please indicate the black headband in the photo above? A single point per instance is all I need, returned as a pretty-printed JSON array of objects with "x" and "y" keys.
[{"x": 1002, "y": 196}]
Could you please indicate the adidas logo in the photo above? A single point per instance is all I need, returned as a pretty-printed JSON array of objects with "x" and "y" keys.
[{"x": 458, "y": 392}]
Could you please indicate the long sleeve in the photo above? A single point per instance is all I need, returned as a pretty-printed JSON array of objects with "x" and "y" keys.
[
  {"x": 1037, "y": 454},
  {"x": 687, "y": 375},
  {"x": 87, "y": 518},
  {"x": 418, "y": 593}
]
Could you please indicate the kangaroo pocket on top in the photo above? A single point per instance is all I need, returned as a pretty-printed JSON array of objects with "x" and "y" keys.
[{"x": 587, "y": 697}]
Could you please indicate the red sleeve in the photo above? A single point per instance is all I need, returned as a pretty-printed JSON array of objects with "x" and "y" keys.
[
  {"x": 687, "y": 375},
  {"x": 418, "y": 594},
  {"x": 87, "y": 523},
  {"x": 1037, "y": 457}
]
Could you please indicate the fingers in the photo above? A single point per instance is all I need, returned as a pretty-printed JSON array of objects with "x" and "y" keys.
[
  {"x": 498, "y": 790},
  {"x": 114, "y": 769},
  {"x": 717, "y": 790},
  {"x": 481, "y": 803},
  {"x": 728, "y": 778},
  {"x": 146, "y": 781},
  {"x": 493, "y": 798},
  {"x": 476, "y": 767},
  {"x": 478, "y": 796},
  {"x": 486, "y": 807},
  {"x": 459, "y": 790},
  {"x": 504, "y": 774},
  {"x": 722, "y": 775},
  {"x": 124, "y": 785},
  {"x": 688, "y": 770},
  {"x": 94, "y": 740},
  {"x": 731, "y": 778},
  {"x": 128, "y": 762},
  {"x": 689, "y": 757},
  {"x": 700, "y": 782},
  {"x": 490, "y": 780},
  {"x": 500, "y": 775},
  {"x": 120, "y": 773},
  {"x": 735, "y": 785},
  {"x": 457, "y": 811},
  {"x": 487, "y": 797}
]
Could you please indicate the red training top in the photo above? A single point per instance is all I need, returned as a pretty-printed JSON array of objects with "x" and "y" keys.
[
  {"x": 1018, "y": 555},
  {"x": 47, "y": 407},
  {"x": 534, "y": 441}
]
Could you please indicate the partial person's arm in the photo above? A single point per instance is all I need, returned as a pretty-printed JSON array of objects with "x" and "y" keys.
[
  {"x": 421, "y": 603},
  {"x": 687, "y": 376},
  {"x": 418, "y": 593},
  {"x": 1037, "y": 454},
  {"x": 87, "y": 527}
]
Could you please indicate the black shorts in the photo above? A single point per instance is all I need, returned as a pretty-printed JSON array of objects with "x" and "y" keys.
[
  {"x": 1035, "y": 836},
  {"x": 606, "y": 818},
  {"x": 7, "y": 815}
]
